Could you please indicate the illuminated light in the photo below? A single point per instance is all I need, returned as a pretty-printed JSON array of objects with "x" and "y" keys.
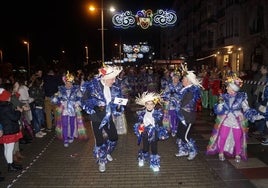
[
  {"x": 239, "y": 49},
  {"x": 136, "y": 48},
  {"x": 144, "y": 49},
  {"x": 165, "y": 18},
  {"x": 144, "y": 19},
  {"x": 124, "y": 20},
  {"x": 92, "y": 8},
  {"x": 112, "y": 9},
  {"x": 140, "y": 56},
  {"x": 200, "y": 59},
  {"x": 127, "y": 48}
]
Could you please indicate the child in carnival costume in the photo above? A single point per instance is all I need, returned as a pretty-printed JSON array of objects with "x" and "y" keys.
[
  {"x": 229, "y": 136},
  {"x": 169, "y": 94},
  {"x": 69, "y": 122},
  {"x": 185, "y": 104},
  {"x": 99, "y": 96},
  {"x": 149, "y": 129}
]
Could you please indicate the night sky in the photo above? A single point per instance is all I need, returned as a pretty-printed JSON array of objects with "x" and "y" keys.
[{"x": 55, "y": 25}]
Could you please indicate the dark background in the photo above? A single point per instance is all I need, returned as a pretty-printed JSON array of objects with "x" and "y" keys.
[{"x": 55, "y": 25}]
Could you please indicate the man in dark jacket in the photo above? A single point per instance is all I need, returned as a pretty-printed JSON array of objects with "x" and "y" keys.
[{"x": 51, "y": 84}]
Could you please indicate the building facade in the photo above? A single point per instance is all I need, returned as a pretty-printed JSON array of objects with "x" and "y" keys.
[{"x": 222, "y": 33}]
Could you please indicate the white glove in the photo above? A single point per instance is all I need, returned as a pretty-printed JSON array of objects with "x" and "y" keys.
[
  {"x": 220, "y": 106},
  {"x": 183, "y": 122},
  {"x": 262, "y": 108},
  {"x": 259, "y": 117}
]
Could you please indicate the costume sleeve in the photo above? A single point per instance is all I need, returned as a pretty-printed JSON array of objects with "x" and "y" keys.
[{"x": 250, "y": 113}]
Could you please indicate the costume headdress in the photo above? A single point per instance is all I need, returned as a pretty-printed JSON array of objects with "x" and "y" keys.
[
  {"x": 148, "y": 96},
  {"x": 234, "y": 82},
  {"x": 176, "y": 72},
  {"x": 190, "y": 75},
  {"x": 68, "y": 77},
  {"x": 4, "y": 94},
  {"x": 108, "y": 72}
]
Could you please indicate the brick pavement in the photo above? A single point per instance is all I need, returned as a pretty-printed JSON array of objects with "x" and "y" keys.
[{"x": 50, "y": 165}]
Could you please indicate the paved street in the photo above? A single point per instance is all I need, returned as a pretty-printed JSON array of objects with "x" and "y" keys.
[{"x": 48, "y": 164}]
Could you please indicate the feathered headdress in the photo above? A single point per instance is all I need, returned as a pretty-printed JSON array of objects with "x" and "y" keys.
[
  {"x": 190, "y": 75},
  {"x": 234, "y": 82},
  {"x": 68, "y": 77},
  {"x": 108, "y": 72},
  {"x": 148, "y": 96}
]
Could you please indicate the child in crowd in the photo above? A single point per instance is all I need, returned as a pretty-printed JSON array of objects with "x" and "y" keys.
[
  {"x": 149, "y": 129},
  {"x": 9, "y": 119},
  {"x": 230, "y": 131}
]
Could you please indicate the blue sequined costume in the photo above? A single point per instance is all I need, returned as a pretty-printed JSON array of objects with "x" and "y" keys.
[
  {"x": 100, "y": 113},
  {"x": 151, "y": 133},
  {"x": 186, "y": 111},
  {"x": 233, "y": 113}
]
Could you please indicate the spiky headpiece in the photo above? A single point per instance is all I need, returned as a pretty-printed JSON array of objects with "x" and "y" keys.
[
  {"x": 190, "y": 75},
  {"x": 148, "y": 96},
  {"x": 68, "y": 77}
]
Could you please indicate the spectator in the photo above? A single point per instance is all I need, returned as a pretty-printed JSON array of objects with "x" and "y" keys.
[
  {"x": 51, "y": 84},
  {"x": 9, "y": 119},
  {"x": 36, "y": 92}
]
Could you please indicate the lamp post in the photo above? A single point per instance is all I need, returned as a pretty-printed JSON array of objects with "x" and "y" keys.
[
  {"x": 102, "y": 34},
  {"x": 119, "y": 50},
  {"x": 28, "y": 56},
  {"x": 92, "y": 8},
  {"x": 1, "y": 56},
  {"x": 86, "y": 55}
]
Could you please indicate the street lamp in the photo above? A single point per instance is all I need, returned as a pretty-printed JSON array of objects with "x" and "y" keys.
[
  {"x": 28, "y": 56},
  {"x": 92, "y": 8}
]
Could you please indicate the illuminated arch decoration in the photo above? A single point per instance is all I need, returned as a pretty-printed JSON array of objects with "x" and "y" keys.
[
  {"x": 134, "y": 52},
  {"x": 165, "y": 18},
  {"x": 145, "y": 19},
  {"x": 124, "y": 20}
]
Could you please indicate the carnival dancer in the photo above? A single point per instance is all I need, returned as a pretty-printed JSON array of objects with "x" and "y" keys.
[
  {"x": 186, "y": 111},
  {"x": 99, "y": 101},
  {"x": 149, "y": 129},
  {"x": 230, "y": 131},
  {"x": 171, "y": 91},
  {"x": 69, "y": 122}
]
